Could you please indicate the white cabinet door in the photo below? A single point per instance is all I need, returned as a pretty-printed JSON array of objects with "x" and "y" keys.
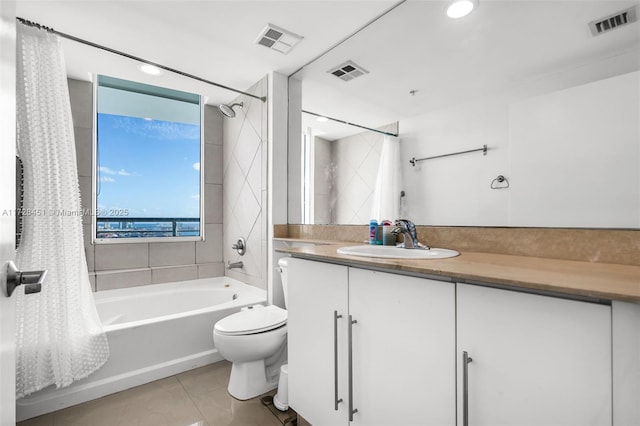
[
  {"x": 536, "y": 360},
  {"x": 316, "y": 292},
  {"x": 403, "y": 349}
]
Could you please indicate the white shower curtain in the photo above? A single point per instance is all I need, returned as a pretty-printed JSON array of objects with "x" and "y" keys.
[
  {"x": 386, "y": 194},
  {"x": 59, "y": 334}
]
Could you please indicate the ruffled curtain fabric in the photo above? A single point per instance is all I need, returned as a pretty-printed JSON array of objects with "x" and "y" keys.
[
  {"x": 386, "y": 193},
  {"x": 59, "y": 334}
]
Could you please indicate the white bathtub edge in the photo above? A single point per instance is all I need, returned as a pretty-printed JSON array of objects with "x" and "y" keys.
[{"x": 77, "y": 394}]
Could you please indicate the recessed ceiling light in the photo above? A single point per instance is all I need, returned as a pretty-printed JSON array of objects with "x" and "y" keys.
[
  {"x": 322, "y": 119},
  {"x": 460, "y": 8},
  {"x": 150, "y": 69}
]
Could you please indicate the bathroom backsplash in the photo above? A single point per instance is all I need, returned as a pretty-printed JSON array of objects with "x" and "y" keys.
[{"x": 585, "y": 245}]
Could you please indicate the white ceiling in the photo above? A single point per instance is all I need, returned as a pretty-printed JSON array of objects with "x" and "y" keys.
[
  {"x": 414, "y": 47},
  {"x": 499, "y": 46},
  {"x": 211, "y": 39}
]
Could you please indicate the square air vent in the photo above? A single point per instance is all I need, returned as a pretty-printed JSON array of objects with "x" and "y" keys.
[
  {"x": 348, "y": 71},
  {"x": 278, "y": 39},
  {"x": 611, "y": 22}
]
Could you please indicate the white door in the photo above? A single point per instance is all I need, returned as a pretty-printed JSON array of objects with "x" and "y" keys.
[
  {"x": 536, "y": 360},
  {"x": 7, "y": 205},
  {"x": 317, "y": 316},
  {"x": 403, "y": 349}
]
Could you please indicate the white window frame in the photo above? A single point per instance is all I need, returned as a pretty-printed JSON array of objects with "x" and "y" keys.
[{"x": 94, "y": 186}]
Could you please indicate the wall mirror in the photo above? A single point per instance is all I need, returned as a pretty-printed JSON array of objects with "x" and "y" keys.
[{"x": 556, "y": 102}]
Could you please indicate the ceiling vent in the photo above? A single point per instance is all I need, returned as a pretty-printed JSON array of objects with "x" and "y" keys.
[
  {"x": 348, "y": 71},
  {"x": 611, "y": 22},
  {"x": 278, "y": 39}
]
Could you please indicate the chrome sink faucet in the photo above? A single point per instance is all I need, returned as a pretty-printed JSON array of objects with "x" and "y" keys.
[{"x": 409, "y": 234}]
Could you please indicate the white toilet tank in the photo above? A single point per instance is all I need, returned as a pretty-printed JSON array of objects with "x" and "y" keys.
[{"x": 283, "y": 263}]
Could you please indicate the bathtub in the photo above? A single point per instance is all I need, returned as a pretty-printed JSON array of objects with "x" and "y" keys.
[{"x": 154, "y": 331}]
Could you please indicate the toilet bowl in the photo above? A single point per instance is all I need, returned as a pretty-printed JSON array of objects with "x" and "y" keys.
[{"x": 255, "y": 341}]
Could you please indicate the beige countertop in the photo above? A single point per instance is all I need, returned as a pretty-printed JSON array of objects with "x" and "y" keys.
[{"x": 596, "y": 280}]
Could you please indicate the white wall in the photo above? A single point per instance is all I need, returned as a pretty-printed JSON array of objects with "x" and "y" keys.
[
  {"x": 323, "y": 170},
  {"x": 278, "y": 125},
  {"x": 575, "y": 156},
  {"x": 547, "y": 161},
  {"x": 294, "y": 152}
]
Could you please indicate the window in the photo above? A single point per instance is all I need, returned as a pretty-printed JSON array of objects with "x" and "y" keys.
[{"x": 147, "y": 173}]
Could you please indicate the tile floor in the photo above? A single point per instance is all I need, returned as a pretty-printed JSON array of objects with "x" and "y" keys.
[{"x": 194, "y": 398}]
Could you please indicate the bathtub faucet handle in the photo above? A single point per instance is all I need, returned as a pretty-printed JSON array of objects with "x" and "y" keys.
[{"x": 240, "y": 246}]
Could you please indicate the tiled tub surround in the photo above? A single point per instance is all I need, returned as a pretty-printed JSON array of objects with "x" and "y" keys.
[
  {"x": 345, "y": 172},
  {"x": 147, "y": 339},
  {"x": 245, "y": 187},
  {"x": 123, "y": 265},
  {"x": 584, "y": 245}
]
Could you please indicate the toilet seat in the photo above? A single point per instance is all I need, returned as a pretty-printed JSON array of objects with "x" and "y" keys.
[{"x": 252, "y": 321}]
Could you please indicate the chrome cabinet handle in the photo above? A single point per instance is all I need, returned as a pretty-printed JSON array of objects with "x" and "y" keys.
[
  {"x": 335, "y": 359},
  {"x": 466, "y": 359},
  {"x": 352, "y": 410}
]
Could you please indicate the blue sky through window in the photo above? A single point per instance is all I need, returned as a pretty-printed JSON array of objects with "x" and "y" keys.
[{"x": 149, "y": 167}]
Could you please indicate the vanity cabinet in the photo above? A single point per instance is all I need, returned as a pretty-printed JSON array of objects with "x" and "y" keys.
[
  {"x": 535, "y": 360},
  {"x": 378, "y": 343},
  {"x": 392, "y": 347},
  {"x": 316, "y": 293}
]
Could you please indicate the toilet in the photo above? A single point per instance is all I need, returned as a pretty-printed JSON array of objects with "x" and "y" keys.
[{"x": 255, "y": 341}]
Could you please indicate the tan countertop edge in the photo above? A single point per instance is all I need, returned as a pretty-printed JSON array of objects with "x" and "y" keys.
[
  {"x": 596, "y": 280},
  {"x": 322, "y": 242}
]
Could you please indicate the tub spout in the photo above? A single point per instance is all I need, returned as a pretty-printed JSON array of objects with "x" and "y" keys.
[{"x": 234, "y": 264}]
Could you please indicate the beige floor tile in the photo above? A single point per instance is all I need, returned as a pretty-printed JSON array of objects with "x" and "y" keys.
[
  {"x": 46, "y": 420},
  {"x": 194, "y": 398},
  {"x": 206, "y": 379},
  {"x": 221, "y": 409},
  {"x": 160, "y": 403}
]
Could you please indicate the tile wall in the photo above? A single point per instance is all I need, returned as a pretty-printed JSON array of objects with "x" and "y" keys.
[
  {"x": 345, "y": 176},
  {"x": 245, "y": 180},
  {"x": 133, "y": 264}
]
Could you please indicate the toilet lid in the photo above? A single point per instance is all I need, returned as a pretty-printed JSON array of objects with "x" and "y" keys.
[{"x": 252, "y": 321}]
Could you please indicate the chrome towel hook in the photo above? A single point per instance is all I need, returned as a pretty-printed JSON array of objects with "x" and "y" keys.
[{"x": 500, "y": 182}]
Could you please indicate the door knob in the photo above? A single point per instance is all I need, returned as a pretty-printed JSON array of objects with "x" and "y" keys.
[{"x": 32, "y": 280}]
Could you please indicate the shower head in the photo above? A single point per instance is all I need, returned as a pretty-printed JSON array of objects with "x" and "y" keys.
[{"x": 227, "y": 110}]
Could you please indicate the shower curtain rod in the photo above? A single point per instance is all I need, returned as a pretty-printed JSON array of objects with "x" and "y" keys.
[
  {"x": 136, "y": 58},
  {"x": 351, "y": 124}
]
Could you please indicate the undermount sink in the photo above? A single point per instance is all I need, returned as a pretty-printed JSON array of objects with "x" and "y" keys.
[{"x": 392, "y": 252}]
